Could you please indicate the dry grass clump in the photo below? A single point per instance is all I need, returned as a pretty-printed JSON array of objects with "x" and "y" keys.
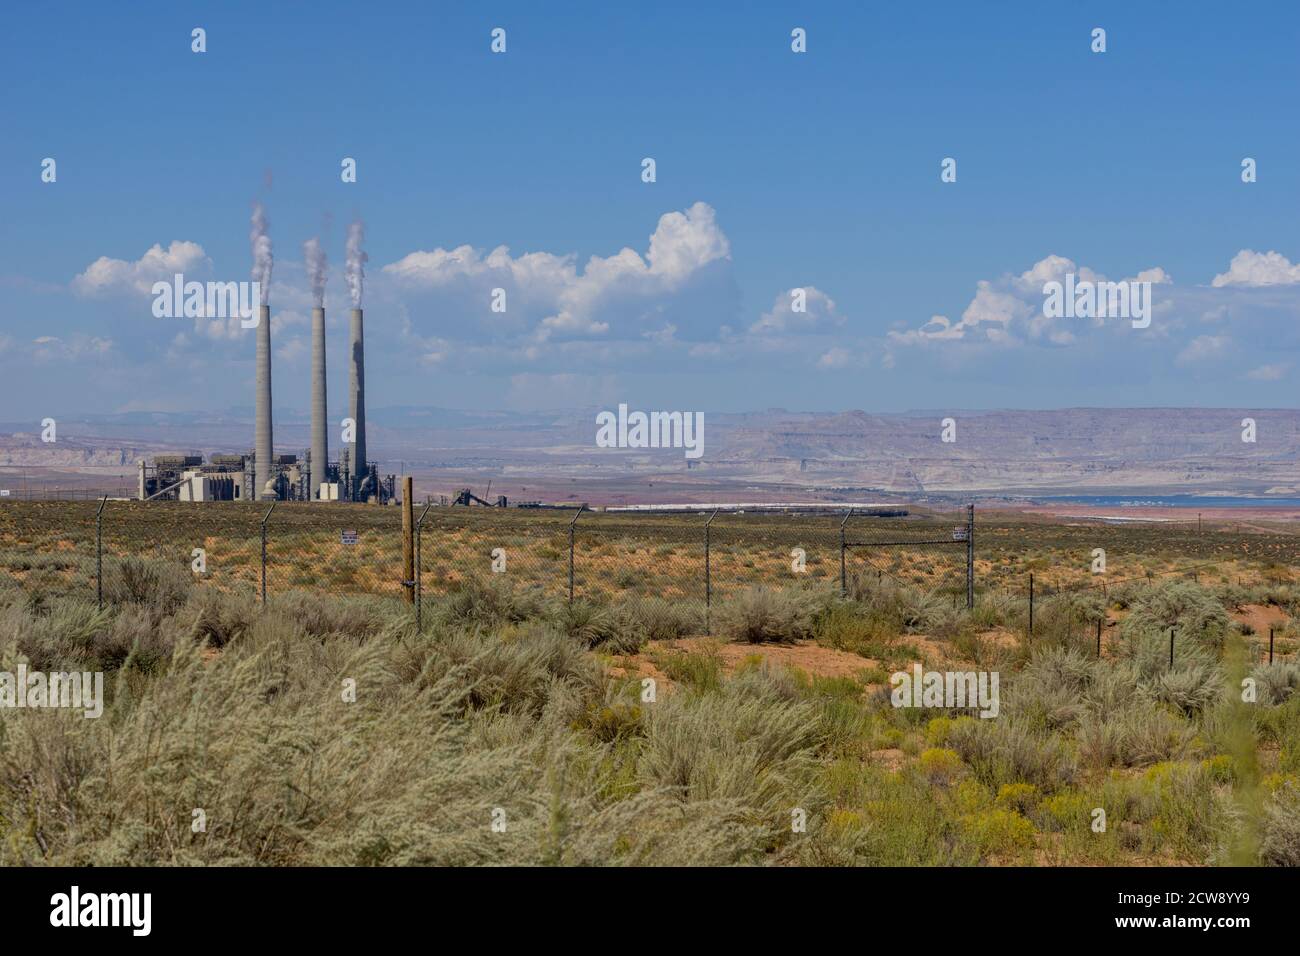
[
  {"x": 762, "y": 615},
  {"x": 1068, "y": 619},
  {"x": 159, "y": 585},
  {"x": 1277, "y": 683},
  {"x": 625, "y": 627},
  {"x": 1280, "y": 840},
  {"x": 342, "y": 747},
  {"x": 1002, "y": 751},
  {"x": 489, "y": 603},
  {"x": 1193, "y": 612},
  {"x": 326, "y": 731}
]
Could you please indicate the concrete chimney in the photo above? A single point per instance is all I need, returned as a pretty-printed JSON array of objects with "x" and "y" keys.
[
  {"x": 262, "y": 441},
  {"x": 319, "y": 419},
  {"x": 358, "y": 361}
]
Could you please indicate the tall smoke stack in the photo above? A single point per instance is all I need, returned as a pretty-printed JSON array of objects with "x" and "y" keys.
[
  {"x": 316, "y": 273},
  {"x": 262, "y": 439},
  {"x": 355, "y": 275},
  {"x": 358, "y": 364}
]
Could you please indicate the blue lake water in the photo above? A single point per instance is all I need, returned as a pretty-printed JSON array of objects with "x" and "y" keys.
[{"x": 1167, "y": 501}]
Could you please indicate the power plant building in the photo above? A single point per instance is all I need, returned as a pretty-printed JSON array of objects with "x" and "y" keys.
[{"x": 262, "y": 475}]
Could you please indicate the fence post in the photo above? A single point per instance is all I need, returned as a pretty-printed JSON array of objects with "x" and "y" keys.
[
  {"x": 1031, "y": 603},
  {"x": 581, "y": 509},
  {"x": 1171, "y": 647},
  {"x": 265, "y": 518},
  {"x": 970, "y": 556},
  {"x": 1270, "y": 645},
  {"x": 1099, "y": 638},
  {"x": 408, "y": 541},
  {"x": 708, "y": 576},
  {"x": 99, "y": 552},
  {"x": 844, "y": 581},
  {"x": 419, "y": 587}
]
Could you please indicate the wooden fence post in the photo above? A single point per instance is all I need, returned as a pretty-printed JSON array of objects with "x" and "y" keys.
[{"x": 408, "y": 540}]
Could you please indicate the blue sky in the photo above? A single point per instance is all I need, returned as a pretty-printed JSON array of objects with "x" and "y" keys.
[{"x": 775, "y": 171}]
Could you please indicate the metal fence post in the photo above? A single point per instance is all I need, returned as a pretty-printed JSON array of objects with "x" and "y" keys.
[
  {"x": 265, "y": 518},
  {"x": 581, "y": 509},
  {"x": 419, "y": 586},
  {"x": 1171, "y": 647},
  {"x": 1031, "y": 604},
  {"x": 970, "y": 556},
  {"x": 99, "y": 552},
  {"x": 708, "y": 576},
  {"x": 1270, "y": 645},
  {"x": 844, "y": 580}
]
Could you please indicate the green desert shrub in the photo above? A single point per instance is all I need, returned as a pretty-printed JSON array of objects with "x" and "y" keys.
[
  {"x": 741, "y": 744},
  {"x": 1190, "y": 688},
  {"x": 135, "y": 637},
  {"x": 1280, "y": 836},
  {"x": 487, "y": 604},
  {"x": 1147, "y": 651},
  {"x": 1136, "y": 736},
  {"x": 518, "y": 674},
  {"x": 1276, "y": 683},
  {"x": 1050, "y": 690},
  {"x": 593, "y": 625},
  {"x": 910, "y": 610},
  {"x": 761, "y": 614},
  {"x": 658, "y": 619},
  {"x": 625, "y": 627},
  {"x": 1184, "y": 813},
  {"x": 60, "y": 636},
  {"x": 217, "y": 618},
  {"x": 1000, "y": 751},
  {"x": 998, "y": 609},
  {"x": 159, "y": 585},
  {"x": 12, "y": 593},
  {"x": 319, "y": 615},
  {"x": 854, "y": 627},
  {"x": 999, "y": 832},
  {"x": 1192, "y": 611},
  {"x": 1068, "y": 618}
]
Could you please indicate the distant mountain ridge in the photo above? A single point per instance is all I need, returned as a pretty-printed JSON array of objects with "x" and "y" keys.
[{"x": 1071, "y": 450}]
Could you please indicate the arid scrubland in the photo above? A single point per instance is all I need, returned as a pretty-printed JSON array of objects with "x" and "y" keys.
[{"x": 518, "y": 728}]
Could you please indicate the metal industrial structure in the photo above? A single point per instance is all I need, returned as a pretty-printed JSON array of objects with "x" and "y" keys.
[
  {"x": 261, "y": 474},
  {"x": 466, "y": 496}
]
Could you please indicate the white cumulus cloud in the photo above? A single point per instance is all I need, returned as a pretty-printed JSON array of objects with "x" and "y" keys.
[
  {"x": 106, "y": 276},
  {"x": 1250, "y": 268},
  {"x": 819, "y": 313},
  {"x": 625, "y": 294}
]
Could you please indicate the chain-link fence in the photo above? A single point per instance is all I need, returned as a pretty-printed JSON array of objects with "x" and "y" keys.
[
  {"x": 695, "y": 560},
  {"x": 930, "y": 551},
  {"x": 99, "y": 550}
]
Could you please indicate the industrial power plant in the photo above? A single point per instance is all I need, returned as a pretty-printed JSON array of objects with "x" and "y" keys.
[{"x": 260, "y": 474}]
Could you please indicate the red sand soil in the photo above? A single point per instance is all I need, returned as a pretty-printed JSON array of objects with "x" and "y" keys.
[{"x": 1261, "y": 617}]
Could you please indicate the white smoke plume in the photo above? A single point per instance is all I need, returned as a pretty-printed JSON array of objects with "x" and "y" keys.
[
  {"x": 317, "y": 270},
  {"x": 263, "y": 260},
  {"x": 357, "y": 259}
]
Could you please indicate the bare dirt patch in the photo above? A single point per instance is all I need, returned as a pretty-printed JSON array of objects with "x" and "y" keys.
[
  {"x": 1261, "y": 617},
  {"x": 639, "y": 665},
  {"x": 1000, "y": 636},
  {"x": 808, "y": 656}
]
